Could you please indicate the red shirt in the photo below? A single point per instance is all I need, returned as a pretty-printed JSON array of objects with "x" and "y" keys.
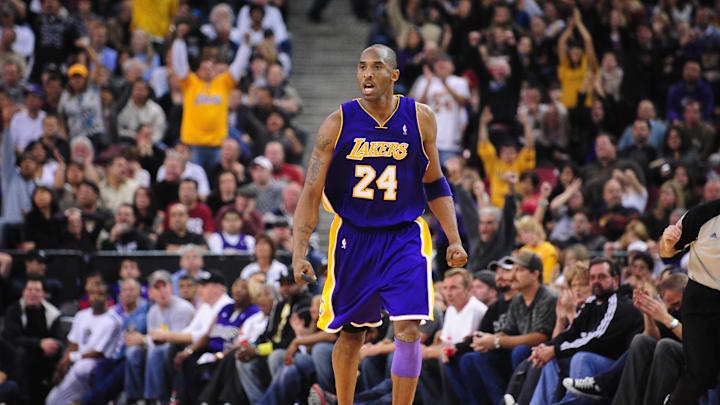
[
  {"x": 200, "y": 221},
  {"x": 289, "y": 173}
]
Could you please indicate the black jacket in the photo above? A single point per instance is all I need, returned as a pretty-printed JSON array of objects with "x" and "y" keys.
[
  {"x": 605, "y": 329},
  {"x": 280, "y": 318},
  {"x": 26, "y": 327}
]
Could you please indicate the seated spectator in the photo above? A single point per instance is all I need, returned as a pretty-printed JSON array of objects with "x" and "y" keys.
[
  {"x": 230, "y": 239},
  {"x": 265, "y": 261},
  {"x": 642, "y": 265},
  {"x": 213, "y": 291},
  {"x": 641, "y": 151},
  {"x": 483, "y": 287},
  {"x": 692, "y": 86},
  {"x": 83, "y": 152},
  {"x": 201, "y": 219},
  {"x": 286, "y": 211},
  {"x": 676, "y": 149},
  {"x": 269, "y": 190},
  {"x": 48, "y": 165},
  {"x": 140, "y": 109},
  {"x": 72, "y": 176},
  {"x": 530, "y": 320},
  {"x": 42, "y": 229},
  {"x": 281, "y": 170},
  {"x": 98, "y": 42},
  {"x": 245, "y": 204},
  {"x": 217, "y": 342},
  {"x": 582, "y": 232},
  {"x": 598, "y": 336},
  {"x": 613, "y": 216},
  {"x": 12, "y": 79},
  {"x": 596, "y": 173},
  {"x": 190, "y": 170},
  {"x": 508, "y": 161},
  {"x": 177, "y": 234},
  {"x": 95, "y": 217},
  {"x": 148, "y": 217},
  {"x": 124, "y": 235},
  {"x": 658, "y": 219},
  {"x": 658, "y": 128},
  {"x": 261, "y": 362},
  {"x": 27, "y": 124},
  {"x": 271, "y": 19},
  {"x": 491, "y": 232},
  {"x": 698, "y": 127},
  {"x": 562, "y": 209},
  {"x": 109, "y": 374},
  {"x": 187, "y": 289},
  {"x": 225, "y": 192},
  {"x": 532, "y": 236},
  {"x": 95, "y": 335},
  {"x": 229, "y": 161},
  {"x": 52, "y": 139},
  {"x": 253, "y": 327},
  {"x": 529, "y": 193},
  {"x": 74, "y": 235},
  {"x": 146, "y": 358},
  {"x": 191, "y": 264},
  {"x": 166, "y": 190},
  {"x": 80, "y": 107},
  {"x": 35, "y": 266},
  {"x": 654, "y": 360},
  {"x": 280, "y": 130},
  {"x": 129, "y": 269},
  {"x": 150, "y": 156},
  {"x": 281, "y": 232},
  {"x": 285, "y": 96},
  {"x": 117, "y": 188},
  {"x": 32, "y": 327}
]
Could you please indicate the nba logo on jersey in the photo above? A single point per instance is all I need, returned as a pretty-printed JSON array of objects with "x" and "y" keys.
[
  {"x": 404, "y": 129},
  {"x": 344, "y": 243}
]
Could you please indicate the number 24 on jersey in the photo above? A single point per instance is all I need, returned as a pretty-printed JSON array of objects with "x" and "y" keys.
[{"x": 386, "y": 181}]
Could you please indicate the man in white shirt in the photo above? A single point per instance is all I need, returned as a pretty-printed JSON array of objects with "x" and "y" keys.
[
  {"x": 140, "y": 109},
  {"x": 190, "y": 171},
  {"x": 95, "y": 335},
  {"x": 464, "y": 311},
  {"x": 446, "y": 94},
  {"x": 26, "y": 125}
]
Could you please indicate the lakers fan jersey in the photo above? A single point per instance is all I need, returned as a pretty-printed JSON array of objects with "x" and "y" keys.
[{"x": 375, "y": 176}]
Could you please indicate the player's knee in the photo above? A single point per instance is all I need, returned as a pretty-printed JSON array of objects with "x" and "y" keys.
[
  {"x": 407, "y": 331},
  {"x": 407, "y": 361}
]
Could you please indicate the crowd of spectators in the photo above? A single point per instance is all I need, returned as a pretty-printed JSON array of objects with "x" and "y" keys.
[{"x": 572, "y": 133}]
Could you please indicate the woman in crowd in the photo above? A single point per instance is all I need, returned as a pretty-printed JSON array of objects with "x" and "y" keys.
[
  {"x": 41, "y": 227},
  {"x": 658, "y": 219},
  {"x": 265, "y": 262},
  {"x": 224, "y": 193},
  {"x": 148, "y": 218}
]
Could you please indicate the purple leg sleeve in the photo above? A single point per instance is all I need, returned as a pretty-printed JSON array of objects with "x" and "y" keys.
[{"x": 407, "y": 360}]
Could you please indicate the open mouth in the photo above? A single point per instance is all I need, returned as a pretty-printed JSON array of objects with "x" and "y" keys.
[{"x": 368, "y": 87}]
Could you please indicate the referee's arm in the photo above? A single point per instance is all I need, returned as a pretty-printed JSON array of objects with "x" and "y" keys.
[{"x": 676, "y": 238}]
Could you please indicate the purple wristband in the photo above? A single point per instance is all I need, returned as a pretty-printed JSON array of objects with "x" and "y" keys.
[{"x": 436, "y": 189}]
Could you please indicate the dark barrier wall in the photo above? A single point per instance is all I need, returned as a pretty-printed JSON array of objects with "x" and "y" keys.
[{"x": 71, "y": 266}]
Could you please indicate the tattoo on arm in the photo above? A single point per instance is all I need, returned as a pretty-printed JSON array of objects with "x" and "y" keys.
[{"x": 316, "y": 161}]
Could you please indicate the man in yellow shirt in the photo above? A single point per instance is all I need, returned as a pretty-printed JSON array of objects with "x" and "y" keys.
[
  {"x": 205, "y": 99},
  {"x": 510, "y": 162}
]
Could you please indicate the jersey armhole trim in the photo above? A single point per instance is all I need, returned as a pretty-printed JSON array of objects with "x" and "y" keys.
[
  {"x": 422, "y": 138},
  {"x": 339, "y": 130}
]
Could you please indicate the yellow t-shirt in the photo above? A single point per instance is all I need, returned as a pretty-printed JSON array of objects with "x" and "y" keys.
[
  {"x": 205, "y": 109},
  {"x": 154, "y": 16},
  {"x": 549, "y": 256},
  {"x": 571, "y": 81},
  {"x": 494, "y": 168}
]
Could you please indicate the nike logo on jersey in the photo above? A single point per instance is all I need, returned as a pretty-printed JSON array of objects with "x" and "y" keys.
[{"x": 363, "y": 149}]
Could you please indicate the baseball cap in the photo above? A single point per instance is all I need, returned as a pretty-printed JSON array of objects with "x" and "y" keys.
[
  {"x": 262, "y": 161},
  {"x": 211, "y": 276},
  {"x": 159, "y": 275},
  {"x": 503, "y": 262},
  {"x": 37, "y": 254},
  {"x": 34, "y": 89},
  {"x": 528, "y": 259},
  {"x": 77, "y": 69},
  {"x": 487, "y": 277}
]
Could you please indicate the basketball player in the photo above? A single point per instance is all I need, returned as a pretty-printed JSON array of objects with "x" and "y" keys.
[{"x": 374, "y": 165}]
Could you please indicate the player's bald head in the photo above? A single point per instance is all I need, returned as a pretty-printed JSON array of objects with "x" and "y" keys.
[{"x": 385, "y": 53}]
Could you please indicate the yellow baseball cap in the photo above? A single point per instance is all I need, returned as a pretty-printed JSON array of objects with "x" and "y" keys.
[{"x": 78, "y": 69}]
